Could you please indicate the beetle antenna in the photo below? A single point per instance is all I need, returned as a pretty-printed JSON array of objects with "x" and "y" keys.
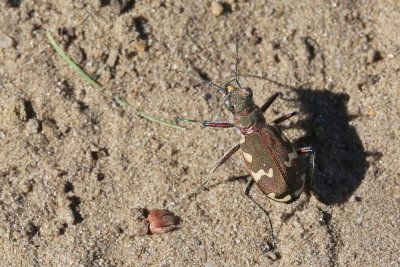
[
  {"x": 220, "y": 88},
  {"x": 237, "y": 60}
]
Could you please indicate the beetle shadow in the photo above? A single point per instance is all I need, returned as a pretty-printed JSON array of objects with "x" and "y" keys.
[{"x": 340, "y": 162}]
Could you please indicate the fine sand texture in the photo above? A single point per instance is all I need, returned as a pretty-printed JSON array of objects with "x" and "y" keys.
[{"x": 78, "y": 170}]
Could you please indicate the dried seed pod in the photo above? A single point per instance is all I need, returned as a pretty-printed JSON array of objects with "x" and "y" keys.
[{"x": 161, "y": 221}]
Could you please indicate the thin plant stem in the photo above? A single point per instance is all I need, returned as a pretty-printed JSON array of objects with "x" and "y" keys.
[{"x": 98, "y": 87}]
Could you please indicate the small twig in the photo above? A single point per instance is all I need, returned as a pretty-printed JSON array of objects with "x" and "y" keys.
[
  {"x": 72, "y": 63},
  {"x": 141, "y": 114},
  {"x": 97, "y": 86}
]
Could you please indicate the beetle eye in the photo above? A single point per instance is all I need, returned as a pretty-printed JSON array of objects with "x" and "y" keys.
[
  {"x": 228, "y": 105},
  {"x": 248, "y": 91}
]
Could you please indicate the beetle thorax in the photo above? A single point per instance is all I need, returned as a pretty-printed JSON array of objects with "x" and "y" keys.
[
  {"x": 246, "y": 114},
  {"x": 249, "y": 122}
]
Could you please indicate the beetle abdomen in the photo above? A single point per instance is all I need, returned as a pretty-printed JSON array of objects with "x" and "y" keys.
[{"x": 273, "y": 163}]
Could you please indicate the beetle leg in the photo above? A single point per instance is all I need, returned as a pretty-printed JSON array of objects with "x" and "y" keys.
[
  {"x": 269, "y": 102},
  {"x": 209, "y": 123},
  {"x": 283, "y": 118},
  {"x": 311, "y": 152},
  {"x": 220, "y": 162},
  {"x": 247, "y": 193}
]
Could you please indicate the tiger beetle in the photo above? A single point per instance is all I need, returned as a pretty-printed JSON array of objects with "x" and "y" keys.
[{"x": 275, "y": 166}]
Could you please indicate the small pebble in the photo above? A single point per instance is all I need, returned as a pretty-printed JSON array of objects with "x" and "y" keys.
[
  {"x": 140, "y": 46},
  {"x": 134, "y": 93},
  {"x": 2, "y": 135},
  {"x": 20, "y": 110},
  {"x": 6, "y": 41},
  {"x": 210, "y": 264},
  {"x": 372, "y": 112},
  {"x": 273, "y": 255},
  {"x": 32, "y": 126},
  {"x": 76, "y": 54},
  {"x": 113, "y": 56},
  {"x": 120, "y": 6},
  {"x": 196, "y": 242},
  {"x": 26, "y": 187},
  {"x": 217, "y": 9},
  {"x": 66, "y": 215}
]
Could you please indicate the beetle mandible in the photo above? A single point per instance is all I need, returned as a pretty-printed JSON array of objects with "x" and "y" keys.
[{"x": 274, "y": 164}]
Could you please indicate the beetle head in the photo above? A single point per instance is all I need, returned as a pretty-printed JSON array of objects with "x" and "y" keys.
[{"x": 238, "y": 99}]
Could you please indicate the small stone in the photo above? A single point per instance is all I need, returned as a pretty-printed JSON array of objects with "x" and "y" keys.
[
  {"x": 20, "y": 110},
  {"x": 372, "y": 112},
  {"x": 217, "y": 9},
  {"x": 143, "y": 230},
  {"x": 5, "y": 41},
  {"x": 249, "y": 31},
  {"x": 140, "y": 46},
  {"x": 210, "y": 264},
  {"x": 120, "y": 6},
  {"x": 2, "y": 135},
  {"x": 26, "y": 187},
  {"x": 112, "y": 57},
  {"x": 76, "y": 54},
  {"x": 272, "y": 255},
  {"x": 32, "y": 126},
  {"x": 66, "y": 215},
  {"x": 196, "y": 242},
  {"x": 134, "y": 94}
]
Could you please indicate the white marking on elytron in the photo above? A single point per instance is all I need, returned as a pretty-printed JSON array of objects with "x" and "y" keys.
[
  {"x": 248, "y": 157},
  {"x": 284, "y": 138},
  {"x": 286, "y": 198},
  {"x": 291, "y": 156},
  {"x": 270, "y": 173},
  {"x": 242, "y": 140},
  {"x": 298, "y": 192},
  {"x": 257, "y": 175}
]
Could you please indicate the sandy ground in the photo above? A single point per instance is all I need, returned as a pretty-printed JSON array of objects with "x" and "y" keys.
[{"x": 76, "y": 169}]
